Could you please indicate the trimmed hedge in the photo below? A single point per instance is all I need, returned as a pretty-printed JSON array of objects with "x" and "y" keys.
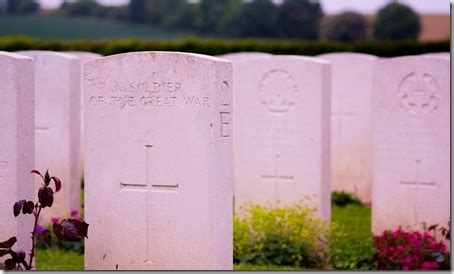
[{"x": 218, "y": 47}]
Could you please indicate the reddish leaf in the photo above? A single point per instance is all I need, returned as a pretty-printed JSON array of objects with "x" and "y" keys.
[
  {"x": 46, "y": 196},
  {"x": 37, "y": 172},
  {"x": 433, "y": 227},
  {"x": 10, "y": 264},
  {"x": 28, "y": 207},
  {"x": 82, "y": 227},
  {"x": 70, "y": 230},
  {"x": 9, "y": 243},
  {"x": 57, "y": 184},
  {"x": 18, "y": 255},
  {"x": 3, "y": 252},
  {"x": 18, "y": 207},
  {"x": 66, "y": 231},
  {"x": 46, "y": 178}
]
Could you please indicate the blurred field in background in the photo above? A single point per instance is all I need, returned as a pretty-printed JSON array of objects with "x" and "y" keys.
[{"x": 59, "y": 27}]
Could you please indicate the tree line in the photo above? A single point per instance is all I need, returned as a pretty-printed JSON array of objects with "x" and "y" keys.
[{"x": 292, "y": 19}]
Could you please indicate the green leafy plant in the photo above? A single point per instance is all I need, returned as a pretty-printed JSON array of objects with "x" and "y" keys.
[
  {"x": 68, "y": 230},
  {"x": 280, "y": 235},
  {"x": 349, "y": 251},
  {"x": 343, "y": 198}
]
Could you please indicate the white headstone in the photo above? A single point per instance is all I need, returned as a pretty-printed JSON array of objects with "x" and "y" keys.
[
  {"x": 282, "y": 131},
  {"x": 84, "y": 58},
  {"x": 158, "y": 167},
  {"x": 244, "y": 56},
  {"x": 57, "y": 135},
  {"x": 16, "y": 146},
  {"x": 438, "y": 54},
  {"x": 411, "y": 164},
  {"x": 351, "y": 117}
]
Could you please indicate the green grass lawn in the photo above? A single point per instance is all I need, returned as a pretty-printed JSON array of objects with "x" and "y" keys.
[
  {"x": 58, "y": 259},
  {"x": 354, "y": 219},
  {"x": 262, "y": 267},
  {"x": 58, "y": 27}
]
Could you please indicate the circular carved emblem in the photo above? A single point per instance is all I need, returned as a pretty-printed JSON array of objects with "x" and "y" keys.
[
  {"x": 419, "y": 94},
  {"x": 278, "y": 91}
]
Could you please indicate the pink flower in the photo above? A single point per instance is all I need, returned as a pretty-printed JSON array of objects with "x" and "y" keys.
[
  {"x": 429, "y": 266},
  {"x": 406, "y": 260},
  {"x": 74, "y": 213},
  {"x": 428, "y": 236},
  {"x": 54, "y": 220},
  {"x": 400, "y": 248}
]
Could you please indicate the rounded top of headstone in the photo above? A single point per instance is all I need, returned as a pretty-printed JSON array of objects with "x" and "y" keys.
[
  {"x": 14, "y": 56},
  {"x": 38, "y": 53},
  {"x": 84, "y": 54},
  {"x": 277, "y": 59},
  {"x": 444, "y": 55},
  {"x": 244, "y": 56},
  {"x": 414, "y": 59},
  {"x": 157, "y": 55},
  {"x": 350, "y": 55}
]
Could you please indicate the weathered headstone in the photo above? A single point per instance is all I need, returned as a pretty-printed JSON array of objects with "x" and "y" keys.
[
  {"x": 411, "y": 164},
  {"x": 84, "y": 58},
  {"x": 16, "y": 145},
  {"x": 438, "y": 54},
  {"x": 351, "y": 117},
  {"x": 158, "y": 167},
  {"x": 57, "y": 125},
  {"x": 244, "y": 56},
  {"x": 282, "y": 131}
]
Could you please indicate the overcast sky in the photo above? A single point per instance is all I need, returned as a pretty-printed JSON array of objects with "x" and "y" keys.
[{"x": 333, "y": 6}]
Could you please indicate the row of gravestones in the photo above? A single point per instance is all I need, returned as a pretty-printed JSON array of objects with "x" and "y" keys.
[{"x": 300, "y": 123}]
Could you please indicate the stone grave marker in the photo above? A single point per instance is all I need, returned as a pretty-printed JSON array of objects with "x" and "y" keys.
[
  {"x": 84, "y": 58},
  {"x": 411, "y": 164},
  {"x": 16, "y": 146},
  {"x": 351, "y": 117},
  {"x": 243, "y": 56},
  {"x": 438, "y": 54},
  {"x": 158, "y": 164},
  {"x": 57, "y": 126},
  {"x": 282, "y": 132}
]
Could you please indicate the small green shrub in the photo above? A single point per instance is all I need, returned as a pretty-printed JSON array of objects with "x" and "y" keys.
[
  {"x": 280, "y": 235},
  {"x": 349, "y": 251},
  {"x": 219, "y": 46},
  {"x": 343, "y": 198}
]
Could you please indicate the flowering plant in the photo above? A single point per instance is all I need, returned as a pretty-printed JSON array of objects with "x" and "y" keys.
[
  {"x": 77, "y": 246},
  {"x": 405, "y": 250},
  {"x": 70, "y": 230}
]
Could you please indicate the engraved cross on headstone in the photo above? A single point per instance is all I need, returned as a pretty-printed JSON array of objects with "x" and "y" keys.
[
  {"x": 417, "y": 184},
  {"x": 277, "y": 177},
  {"x": 149, "y": 188}
]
